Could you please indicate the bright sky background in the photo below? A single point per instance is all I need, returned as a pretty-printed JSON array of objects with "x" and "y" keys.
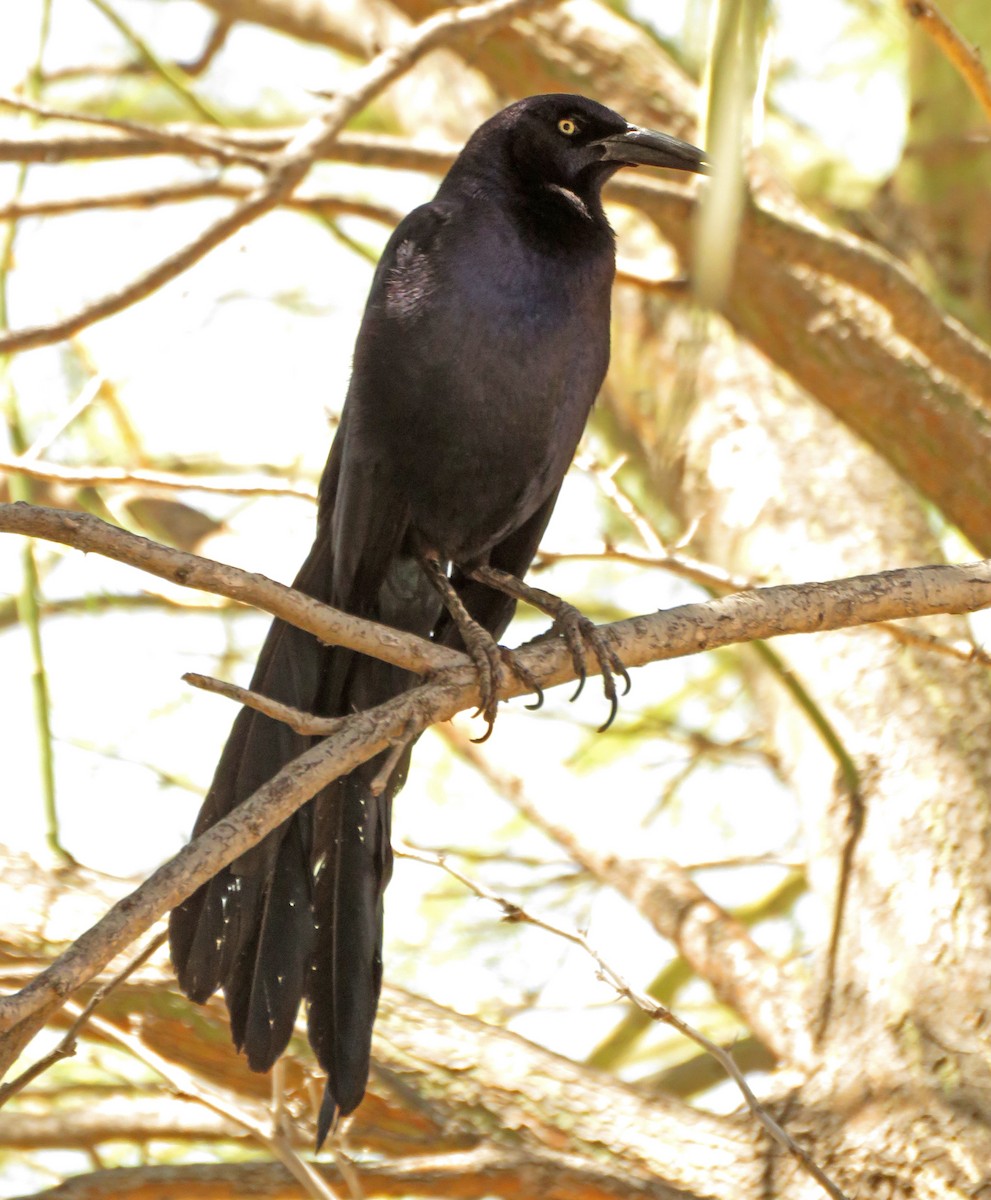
[{"x": 244, "y": 357}]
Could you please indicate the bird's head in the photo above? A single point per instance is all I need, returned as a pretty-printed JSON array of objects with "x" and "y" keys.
[{"x": 573, "y": 143}]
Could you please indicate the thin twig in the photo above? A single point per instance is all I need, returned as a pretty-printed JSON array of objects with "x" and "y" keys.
[
  {"x": 298, "y": 721},
  {"x": 965, "y": 652},
  {"x": 207, "y": 189},
  {"x": 26, "y": 464},
  {"x": 656, "y": 1011},
  {"x": 965, "y": 58},
  {"x": 67, "y": 1046},
  {"x": 179, "y": 141},
  {"x": 287, "y": 169}
]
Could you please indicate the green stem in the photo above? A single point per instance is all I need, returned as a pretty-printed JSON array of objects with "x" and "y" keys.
[
  {"x": 29, "y": 599},
  {"x": 173, "y": 77}
]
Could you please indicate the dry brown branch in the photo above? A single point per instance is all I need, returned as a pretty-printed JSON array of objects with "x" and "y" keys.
[
  {"x": 67, "y": 1045},
  {"x": 962, "y": 651},
  {"x": 320, "y": 24},
  {"x": 965, "y": 58},
  {"x": 646, "y": 1004},
  {"x": 361, "y": 149},
  {"x": 689, "y": 629},
  {"x": 707, "y": 575},
  {"x": 254, "y": 1121},
  {"x": 180, "y": 193},
  {"x": 466, "y": 1175},
  {"x": 288, "y": 168},
  {"x": 861, "y": 369},
  {"x": 298, "y": 722},
  {"x": 188, "y": 142},
  {"x": 167, "y": 480},
  {"x": 90, "y": 534},
  {"x": 155, "y": 1118}
]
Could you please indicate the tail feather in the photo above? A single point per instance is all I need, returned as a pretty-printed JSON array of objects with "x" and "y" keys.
[
  {"x": 264, "y": 989},
  {"x": 346, "y": 969},
  {"x": 300, "y": 914}
]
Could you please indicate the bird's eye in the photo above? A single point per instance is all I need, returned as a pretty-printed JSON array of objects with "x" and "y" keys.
[{"x": 567, "y": 127}]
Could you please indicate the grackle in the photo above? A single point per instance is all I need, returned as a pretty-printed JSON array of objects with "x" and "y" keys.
[{"x": 484, "y": 342}]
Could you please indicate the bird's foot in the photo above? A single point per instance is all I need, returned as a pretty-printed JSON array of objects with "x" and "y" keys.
[
  {"x": 579, "y": 633},
  {"x": 489, "y": 658},
  {"x": 487, "y": 655}
]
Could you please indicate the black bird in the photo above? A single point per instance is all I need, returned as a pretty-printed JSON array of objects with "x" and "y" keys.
[{"x": 484, "y": 342}]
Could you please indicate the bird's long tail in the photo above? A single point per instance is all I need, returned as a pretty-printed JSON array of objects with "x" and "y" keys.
[{"x": 300, "y": 914}]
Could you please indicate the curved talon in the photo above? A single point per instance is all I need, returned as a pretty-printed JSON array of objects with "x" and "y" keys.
[
  {"x": 579, "y": 633},
  {"x": 618, "y": 668},
  {"x": 490, "y": 725},
  {"x": 582, "y": 676},
  {"x": 486, "y": 657},
  {"x": 613, "y": 711}
]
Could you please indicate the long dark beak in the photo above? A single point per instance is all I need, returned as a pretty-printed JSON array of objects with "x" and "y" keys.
[{"x": 638, "y": 146}]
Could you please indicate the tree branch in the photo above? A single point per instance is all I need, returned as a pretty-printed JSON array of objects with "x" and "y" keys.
[
  {"x": 289, "y": 167},
  {"x": 170, "y": 480},
  {"x": 330, "y": 625},
  {"x": 484, "y": 1171},
  {"x": 965, "y": 58},
  {"x": 689, "y": 629},
  {"x": 646, "y": 1004}
]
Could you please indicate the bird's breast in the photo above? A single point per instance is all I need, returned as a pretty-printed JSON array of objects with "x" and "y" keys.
[{"x": 495, "y": 359}]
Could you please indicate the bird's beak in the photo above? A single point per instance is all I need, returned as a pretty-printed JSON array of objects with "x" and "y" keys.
[{"x": 638, "y": 146}]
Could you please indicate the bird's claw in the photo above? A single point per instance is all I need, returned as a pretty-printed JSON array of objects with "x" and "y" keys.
[
  {"x": 487, "y": 656},
  {"x": 490, "y": 660},
  {"x": 580, "y": 634}
]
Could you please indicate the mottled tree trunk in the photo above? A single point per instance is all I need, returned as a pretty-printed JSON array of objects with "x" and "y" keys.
[{"x": 899, "y": 1102}]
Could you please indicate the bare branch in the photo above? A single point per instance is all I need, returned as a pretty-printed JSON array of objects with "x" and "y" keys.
[
  {"x": 689, "y": 629},
  {"x": 513, "y": 912},
  {"x": 965, "y": 58},
  {"x": 299, "y": 722},
  {"x": 90, "y": 534},
  {"x": 461, "y": 1175},
  {"x": 67, "y": 1046},
  {"x": 179, "y": 193},
  {"x": 287, "y": 169},
  {"x": 364, "y": 149},
  {"x": 188, "y": 140},
  {"x": 27, "y": 464},
  {"x": 714, "y": 944}
]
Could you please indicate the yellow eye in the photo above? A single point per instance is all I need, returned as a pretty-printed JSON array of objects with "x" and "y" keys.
[{"x": 567, "y": 127}]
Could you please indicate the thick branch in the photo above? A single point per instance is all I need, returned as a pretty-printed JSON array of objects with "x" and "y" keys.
[
  {"x": 851, "y": 356},
  {"x": 486, "y": 1171},
  {"x": 330, "y": 625},
  {"x": 145, "y": 1119}
]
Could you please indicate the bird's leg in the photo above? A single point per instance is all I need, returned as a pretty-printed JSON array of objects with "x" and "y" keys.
[
  {"x": 482, "y": 647},
  {"x": 577, "y": 630},
  {"x": 485, "y": 652}
]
